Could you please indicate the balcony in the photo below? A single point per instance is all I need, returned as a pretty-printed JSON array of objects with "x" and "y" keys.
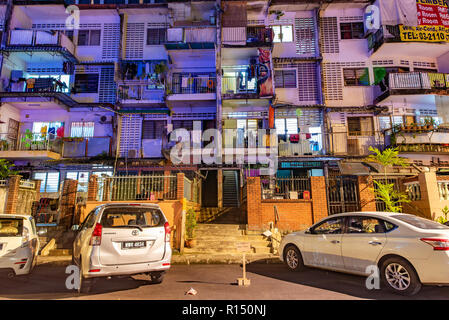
[
  {"x": 387, "y": 41},
  {"x": 41, "y": 41},
  {"x": 87, "y": 147},
  {"x": 412, "y": 83},
  {"x": 192, "y": 88},
  {"x": 191, "y": 38},
  {"x": 248, "y": 36},
  {"x": 239, "y": 87},
  {"x": 30, "y": 146},
  {"x": 420, "y": 139},
  {"x": 139, "y": 92},
  {"x": 353, "y": 144},
  {"x": 47, "y": 92}
]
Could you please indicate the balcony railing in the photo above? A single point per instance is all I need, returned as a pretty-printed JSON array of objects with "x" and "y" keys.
[
  {"x": 87, "y": 147},
  {"x": 286, "y": 188},
  {"x": 44, "y": 84},
  {"x": 30, "y": 142},
  {"x": 135, "y": 93},
  {"x": 238, "y": 85},
  {"x": 413, "y": 83},
  {"x": 249, "y": 36},
  {"x": 129, "y": 188},
  {"x": 40, "y": 38},
  {"x": 384, "y": 34},
  {"x": 192, "y": 85}
]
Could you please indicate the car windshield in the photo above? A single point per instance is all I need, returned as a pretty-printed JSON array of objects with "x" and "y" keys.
[
  {"x": 11, "y": 227},
  {"x": 123, "y": 217},
  {"x": 419, "y": 222}
]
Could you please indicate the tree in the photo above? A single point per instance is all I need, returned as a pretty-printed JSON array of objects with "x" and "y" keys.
[
  {"x": 385, "y": 191},
  {"x": 5, "y": 168}
]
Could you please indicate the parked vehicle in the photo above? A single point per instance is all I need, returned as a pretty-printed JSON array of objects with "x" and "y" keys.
[
  {"x": 19, "y": 244},
  {"x": 408, "y": 250},
  {"x": 122, "y": 239}
]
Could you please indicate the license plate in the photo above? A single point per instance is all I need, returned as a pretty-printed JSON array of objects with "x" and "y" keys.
[{"x": 133, "y": 244}]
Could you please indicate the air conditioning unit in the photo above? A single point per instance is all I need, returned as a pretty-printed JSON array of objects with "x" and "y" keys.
[
  {"x": 133, "y": 153},
  {"x": 105, "y": 119}
]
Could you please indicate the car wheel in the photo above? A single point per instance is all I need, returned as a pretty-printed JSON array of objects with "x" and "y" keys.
[
  {"x": 156, "y": 277},
  {"x": 400, "y": 277},
  {"x": 293, "y": 258},
  {"x": 85, "y": 285}
]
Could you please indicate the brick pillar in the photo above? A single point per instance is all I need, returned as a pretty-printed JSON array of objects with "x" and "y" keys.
[
  {"x": 220, "y": 188},
  {"x": 180, "y": 186},
  {"x": 367, "y": 197},
  {"x": 430, "y": 196},
  {"x": 68, "y": 201},
  {"x": 254, "y": 200},
  {"x": 92, "y": 189},
  {"x": 37, "y": 189},
  {"x": 319, "y": 198},
  {"x": 106, "y": 189},
  {"x": 13, "y": 194}
]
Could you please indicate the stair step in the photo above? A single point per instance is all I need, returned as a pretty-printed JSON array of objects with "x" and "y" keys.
[
  {"x": 197, "y": 249},
  {"x": 60, "y": 252}
]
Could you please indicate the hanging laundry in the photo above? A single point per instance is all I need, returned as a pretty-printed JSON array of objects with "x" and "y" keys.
[{"x": 294, "y": 138}]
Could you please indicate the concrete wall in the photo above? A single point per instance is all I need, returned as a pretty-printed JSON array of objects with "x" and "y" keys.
[{"x": 7, "y": 112}]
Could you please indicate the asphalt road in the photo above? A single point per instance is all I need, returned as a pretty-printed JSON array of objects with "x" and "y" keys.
[{"x": 268, "y": 282}]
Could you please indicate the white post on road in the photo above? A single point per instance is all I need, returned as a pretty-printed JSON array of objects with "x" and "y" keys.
[{"x": 243, "y": 247}]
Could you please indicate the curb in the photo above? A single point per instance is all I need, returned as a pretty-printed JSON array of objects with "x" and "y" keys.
[{"x": 62, "y": 261}]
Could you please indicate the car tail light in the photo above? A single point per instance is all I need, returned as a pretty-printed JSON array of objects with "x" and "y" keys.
[
  {"x": 25, "y": 237},
  {"x": 437, "y": 244},
  {"x": 167, "y": 232},
  {"x": 95, "y": 240}
]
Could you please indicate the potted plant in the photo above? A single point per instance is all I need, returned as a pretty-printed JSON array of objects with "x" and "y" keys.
[{"x": 190, "y": 240}]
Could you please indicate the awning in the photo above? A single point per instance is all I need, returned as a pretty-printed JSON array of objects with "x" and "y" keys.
[{"x": 353, "y": 168}]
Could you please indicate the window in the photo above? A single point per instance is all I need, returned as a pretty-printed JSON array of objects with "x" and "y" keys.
[
  {"x": 360, "y": 126},
  {"x": 283, "y": 33},
  {"x": 356, "y": 77},
  {"x": 286, "y": 126},
  {"x": 82, "y": 129},
  {"x": 365, "y": 225},
  {"x": 152, "y": 129},
  {"x": 50, "y": 181},
  {"x": 86, "y": 82},
  {"x": 156, "y": 36},
  {"x": 81, "y": 177},
  {"x": 89, "y": 37},
  {"x": 41, "y": 129},
  {"x": 330, "y": 226},
  {"x": 11, "y": 227},
  {"x": 420, "y": 222},
  {"x": 352, "y": 30},
  {"x": 384, "y": 123},
  {"x": 285, "y": 78},
  {"x": 127, "y": 215}
]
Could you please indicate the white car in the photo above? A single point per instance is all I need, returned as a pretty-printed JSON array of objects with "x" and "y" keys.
[
  {"x": 408, "y": 250},
  {"x": 122, "y": 239},
  {"x": 19, "y": 244}
]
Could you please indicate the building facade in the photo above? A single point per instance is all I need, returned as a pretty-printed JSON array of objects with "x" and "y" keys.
[{"x": 99, "y": 88}]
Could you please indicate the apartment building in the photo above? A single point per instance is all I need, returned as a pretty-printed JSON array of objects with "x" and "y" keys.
[{"x": 331, "y": 79}]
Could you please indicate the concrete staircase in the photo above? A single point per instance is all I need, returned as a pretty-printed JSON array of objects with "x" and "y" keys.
[
  {"x": 63, "y": 240},
  {"x": 222, "y": 215},
  {"x": 219, "y": 239}
]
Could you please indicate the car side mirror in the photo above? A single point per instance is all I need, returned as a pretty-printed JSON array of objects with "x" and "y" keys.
[{"x": 308, "y": 231}]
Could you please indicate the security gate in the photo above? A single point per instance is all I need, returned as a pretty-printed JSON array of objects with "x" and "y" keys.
[
  {"x": 380, "y": 205},
  {"x": 343, "y": 195}
]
